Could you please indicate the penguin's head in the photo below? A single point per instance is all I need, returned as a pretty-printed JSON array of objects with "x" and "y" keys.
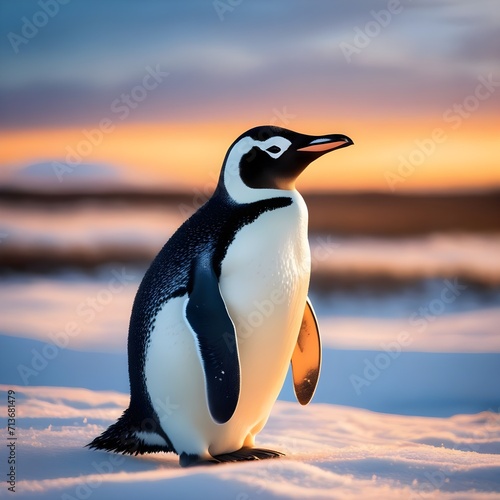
[{"x": 269, "y": 157}]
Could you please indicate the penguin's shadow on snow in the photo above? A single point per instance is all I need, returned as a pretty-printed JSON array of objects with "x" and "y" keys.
[{"x": 41, "y": 463}]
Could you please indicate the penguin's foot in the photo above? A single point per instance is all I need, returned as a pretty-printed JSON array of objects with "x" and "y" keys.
[
  {"x": 243, "y": 454},
  {"x": 247, "y": 453},
  {"x": 190, "y": 460}
]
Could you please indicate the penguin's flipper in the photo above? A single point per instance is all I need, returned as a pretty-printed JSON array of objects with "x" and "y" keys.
[
  {"x": 215, "y": 336},
  {"x": 306, "y": 357}
]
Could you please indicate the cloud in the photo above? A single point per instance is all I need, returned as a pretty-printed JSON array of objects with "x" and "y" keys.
[{"x": 259, "y": 56}]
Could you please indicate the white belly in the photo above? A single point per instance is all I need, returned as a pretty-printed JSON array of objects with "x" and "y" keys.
[{"x": 264, "y": 282}]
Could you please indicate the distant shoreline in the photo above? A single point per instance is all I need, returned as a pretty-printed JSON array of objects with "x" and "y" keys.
[{"x": 347, "y": 214}]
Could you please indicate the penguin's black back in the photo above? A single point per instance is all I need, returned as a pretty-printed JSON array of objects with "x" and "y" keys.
[{"x": 211, "y": 229}]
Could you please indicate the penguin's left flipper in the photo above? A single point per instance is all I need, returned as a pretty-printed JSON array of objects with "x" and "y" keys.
[
  {"x": 306, "y": 357},
  {"x": 214, "y": 331}
]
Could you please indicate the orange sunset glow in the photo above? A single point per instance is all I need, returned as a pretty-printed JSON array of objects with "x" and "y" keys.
[
  {"x": 419, "y": 96},
  {"x": 170, "y": 155}
]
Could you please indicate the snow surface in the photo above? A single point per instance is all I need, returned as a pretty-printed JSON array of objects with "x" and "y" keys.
[
  {"x": 407, "y": 406},
  {"x": 439, "y": 254},
  {"x": 100, "y": 306},
  {"x": 332, "y": 452},
  {"x": 88, "y": 228}
]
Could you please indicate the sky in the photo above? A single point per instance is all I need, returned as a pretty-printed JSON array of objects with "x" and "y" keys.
[{"x": 158, "y": 90}]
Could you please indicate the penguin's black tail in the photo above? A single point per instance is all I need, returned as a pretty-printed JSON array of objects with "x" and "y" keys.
[{"x": 126, "y": 438}]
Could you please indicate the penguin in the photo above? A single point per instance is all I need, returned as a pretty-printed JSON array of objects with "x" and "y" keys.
[{"x": 223, "y": 309}]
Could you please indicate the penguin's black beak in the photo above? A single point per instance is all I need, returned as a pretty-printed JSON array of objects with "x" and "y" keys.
[{"x": 326, "y": 143}]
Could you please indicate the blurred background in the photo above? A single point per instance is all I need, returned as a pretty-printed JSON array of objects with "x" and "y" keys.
[{"x": 115, "y": 117}]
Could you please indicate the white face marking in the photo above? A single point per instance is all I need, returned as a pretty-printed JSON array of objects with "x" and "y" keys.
[
  {"x": 275, "y": 143},
  {"x": 232, "y": 180}
]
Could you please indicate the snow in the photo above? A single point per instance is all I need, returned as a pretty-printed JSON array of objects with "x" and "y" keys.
[
  {"x": 407, "y": 406},
  {"x": 96, "y": 304},
  {"x": 332, "y": 452},
  {"x": 86, "y": 229},
  {"x": 440, "y": 254},
  {"x": 472, "y": 331},
  {"x": 89, "y": 226}
]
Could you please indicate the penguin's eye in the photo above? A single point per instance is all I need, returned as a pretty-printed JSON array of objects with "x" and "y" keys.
[{"x": 274, "y": 149}]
